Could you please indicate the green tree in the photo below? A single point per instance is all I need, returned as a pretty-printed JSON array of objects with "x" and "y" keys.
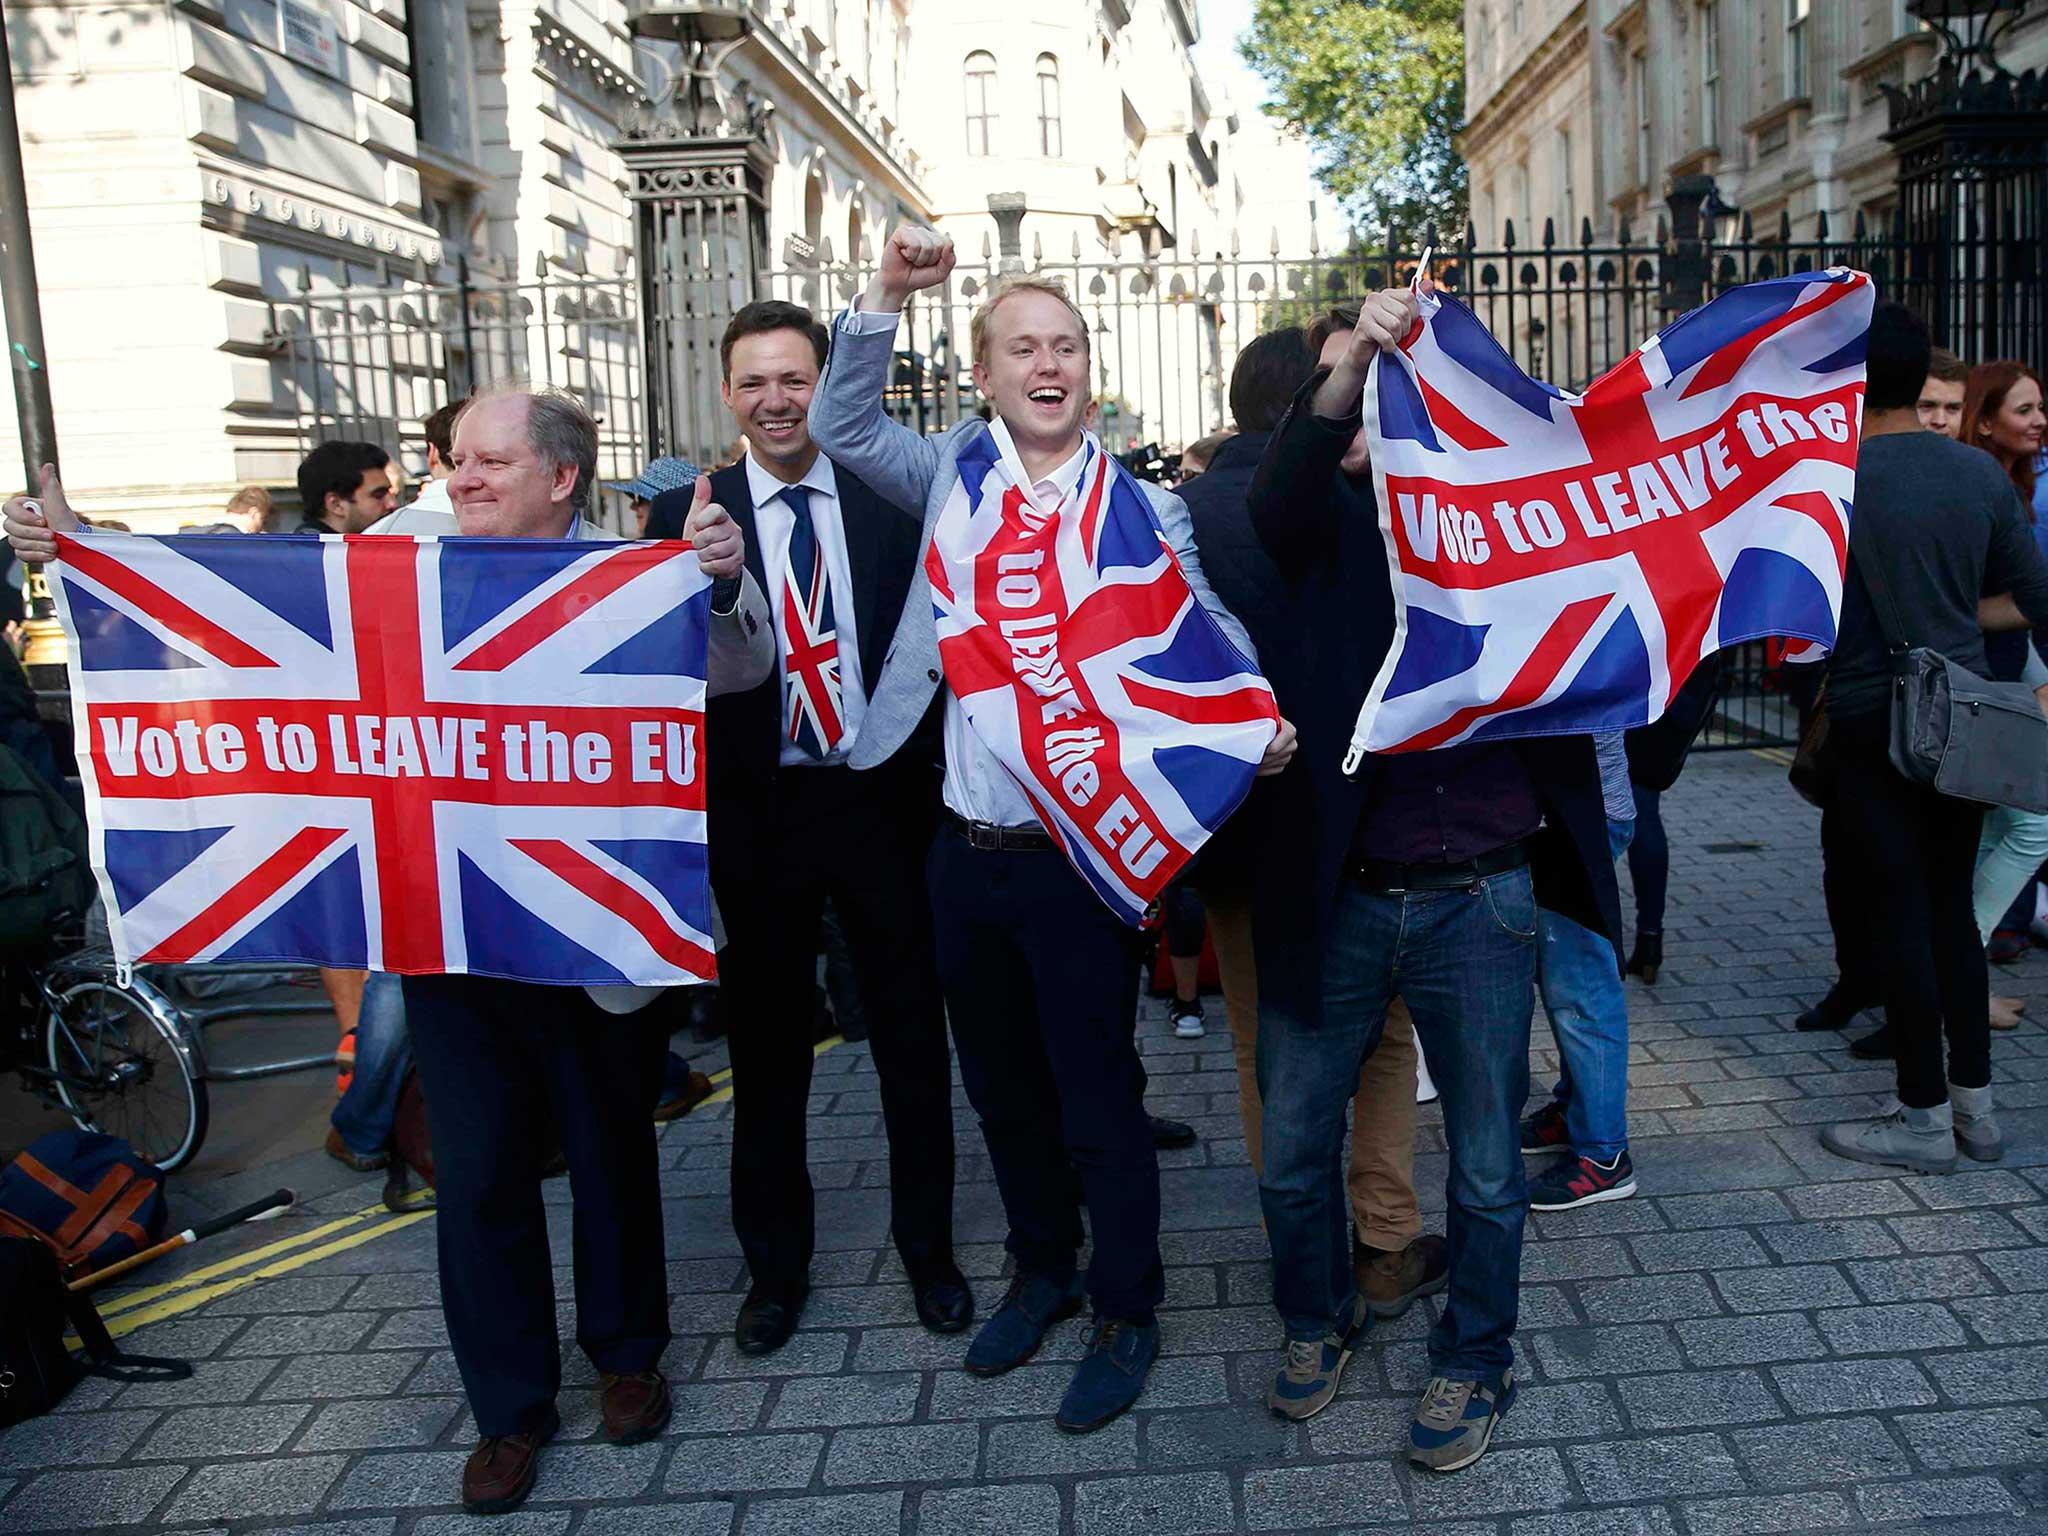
[{"x": 1378, "y": 86}]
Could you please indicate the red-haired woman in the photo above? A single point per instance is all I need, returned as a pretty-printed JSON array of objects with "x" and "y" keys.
[{"x": 2002, "y": 414}]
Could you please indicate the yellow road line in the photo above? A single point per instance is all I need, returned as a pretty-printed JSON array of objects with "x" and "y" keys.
[
  {"x": 725, "y": 1077},
  {"x": 174, "y": 1298},
  {"x": 1776, "y": 755},
  {"x": 151, "y": 1293},
  {"x": 178, "y": 1305}
]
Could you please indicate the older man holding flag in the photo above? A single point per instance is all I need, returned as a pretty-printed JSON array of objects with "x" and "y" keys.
[{"x": 1103, "y": 714}]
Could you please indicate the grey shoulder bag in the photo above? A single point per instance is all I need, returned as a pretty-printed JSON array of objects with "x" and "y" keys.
[{"x": 1951, "y": 729}]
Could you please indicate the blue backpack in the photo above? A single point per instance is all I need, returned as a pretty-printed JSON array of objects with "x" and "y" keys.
[{"x": 86, "y": 1197}]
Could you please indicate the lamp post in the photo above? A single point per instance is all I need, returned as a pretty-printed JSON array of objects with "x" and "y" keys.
[{"x": 26, "y": 358}]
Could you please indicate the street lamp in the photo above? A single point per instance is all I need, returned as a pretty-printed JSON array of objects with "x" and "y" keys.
[
  {"x": 1720, "y": 217},
  {"x": 1972, "y": 29}
]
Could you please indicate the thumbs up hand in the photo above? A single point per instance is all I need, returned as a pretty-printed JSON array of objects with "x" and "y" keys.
[{"x": 721, "y": 547}]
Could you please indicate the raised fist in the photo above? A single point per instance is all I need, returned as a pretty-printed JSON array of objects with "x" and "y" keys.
[{"x": 916, "y": 257}]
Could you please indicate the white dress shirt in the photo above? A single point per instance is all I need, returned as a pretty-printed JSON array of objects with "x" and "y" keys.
[
  {"x": 978, "y": 786},
  {"x": 774, "y": 521}
]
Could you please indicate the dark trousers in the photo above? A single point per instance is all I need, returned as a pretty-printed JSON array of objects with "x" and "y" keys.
[
  {"x": 857, "y": 838},
  {"x": 1915, "y": 853},
  {"x": 1041, "y": 984},
  {"x": 1649, "y": 860},
  {"x": 1850, "y": 920},
  {"x": 497, "y": 1059}
]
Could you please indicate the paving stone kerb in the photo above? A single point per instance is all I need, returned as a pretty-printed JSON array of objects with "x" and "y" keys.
[{"x": 1764, "y": 1337}]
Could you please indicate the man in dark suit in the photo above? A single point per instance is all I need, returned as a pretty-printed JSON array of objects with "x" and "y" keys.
[
  {"x": 1423, "y": 873},
  {"x": 792, "y": 824}
]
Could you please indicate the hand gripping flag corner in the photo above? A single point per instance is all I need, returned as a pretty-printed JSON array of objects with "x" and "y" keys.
[
  {"x": 472, "y": 755},
  {"x": 1561, "y": 562}
]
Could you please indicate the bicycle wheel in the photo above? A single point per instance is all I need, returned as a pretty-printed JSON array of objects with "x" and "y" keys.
[{"x": 120, "y": 1068}]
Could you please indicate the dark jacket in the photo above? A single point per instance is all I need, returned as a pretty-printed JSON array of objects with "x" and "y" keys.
[
  {"x": 1322, "y": 530},
  {"x": 1250, "y": 585},
  {"x": 743, "y": 731}
]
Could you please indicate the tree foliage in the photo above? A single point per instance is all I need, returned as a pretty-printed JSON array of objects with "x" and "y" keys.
[{"x": 1378, "y": 86}]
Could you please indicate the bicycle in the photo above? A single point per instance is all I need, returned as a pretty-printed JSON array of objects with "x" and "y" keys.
[{"x": 113, "y": 1054}]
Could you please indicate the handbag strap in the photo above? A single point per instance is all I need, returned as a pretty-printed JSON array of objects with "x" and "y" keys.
[
  {"x": 1879, "y": 593},
  {"x": 104, "y": 1359}
]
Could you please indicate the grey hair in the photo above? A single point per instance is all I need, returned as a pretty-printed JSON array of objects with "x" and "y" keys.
[{"x": 560, "y": 430}]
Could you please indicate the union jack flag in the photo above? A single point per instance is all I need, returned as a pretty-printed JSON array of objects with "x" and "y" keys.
[
  {"x": 1561, "y": 562},
  {"x": 478, "y": 755},
  {"x": 1085, "y": 664}
]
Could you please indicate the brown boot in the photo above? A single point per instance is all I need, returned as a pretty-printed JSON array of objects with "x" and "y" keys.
[
  {"x": 1390, "y": 1280},
  {"x": 634, "y": 1407},
  {"x": 340, "y": 1151},
  {"x": 499, "y": 1473}
]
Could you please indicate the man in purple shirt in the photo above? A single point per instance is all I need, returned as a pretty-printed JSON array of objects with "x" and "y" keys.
[{"x": 1419, "y": 875}]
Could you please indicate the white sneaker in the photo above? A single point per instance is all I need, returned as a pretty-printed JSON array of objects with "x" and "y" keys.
[
  {"x": 1425, "y": 1086},
  {"x": 1187, "y": 1020}
]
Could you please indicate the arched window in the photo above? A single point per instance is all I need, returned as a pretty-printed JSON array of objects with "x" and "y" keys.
[
  {"x": 1049, "y": 138},
  {"x": 981, "y": 102}
]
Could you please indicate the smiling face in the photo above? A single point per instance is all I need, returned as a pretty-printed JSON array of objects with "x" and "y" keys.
[
  {"x": 769, "y": 381},
  {"x": 1033, "y": 366},
  {"x": 2013, "y": 431},
  {"x": 1941, "y": 405},
  {"x": 1357, "y": 459},
  {"x": 501, "y": 487}
]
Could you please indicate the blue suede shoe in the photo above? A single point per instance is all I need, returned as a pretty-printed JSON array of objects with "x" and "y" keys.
[
  {"x": 1018, "y": 1326},
  {"x": 1109, "y": 1380}
]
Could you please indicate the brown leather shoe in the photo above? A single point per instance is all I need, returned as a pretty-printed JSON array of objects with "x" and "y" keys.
[
  {"x": 696, "y": 1089},
  {"x": 634, "y": 1407},
  {"x": 499, "y": 1473},
  {"x": 1390, "y": 1280},
  {"x": 340, "y": 1151}
]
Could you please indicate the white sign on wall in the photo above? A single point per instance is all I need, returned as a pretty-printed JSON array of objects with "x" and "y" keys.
[{"x": 306, "y": 33}]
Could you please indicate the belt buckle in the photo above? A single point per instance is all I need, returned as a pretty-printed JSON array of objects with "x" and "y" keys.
[{"x": 984, "y": 838}]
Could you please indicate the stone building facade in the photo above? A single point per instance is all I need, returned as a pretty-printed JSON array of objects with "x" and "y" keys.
[
  {"x": 1586, "y": 109},
  {"x": 190, "y": 163}
]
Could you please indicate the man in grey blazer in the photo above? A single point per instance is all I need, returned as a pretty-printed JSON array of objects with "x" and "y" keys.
[{"x": 1040, "y": 977}]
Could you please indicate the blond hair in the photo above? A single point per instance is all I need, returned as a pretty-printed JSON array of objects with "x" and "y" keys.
[{"x": 977, "y": 328}]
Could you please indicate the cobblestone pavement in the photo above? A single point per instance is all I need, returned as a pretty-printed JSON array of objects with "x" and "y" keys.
[{"x": 1765, "y": 1339}]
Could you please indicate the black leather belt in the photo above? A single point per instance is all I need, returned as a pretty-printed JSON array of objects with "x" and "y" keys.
[
  {"x": 1393, "y": 878},
  {"x": 990, "y": 838}
]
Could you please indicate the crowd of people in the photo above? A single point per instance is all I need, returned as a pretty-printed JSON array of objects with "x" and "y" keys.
[{"x": 1380, "y": 937}]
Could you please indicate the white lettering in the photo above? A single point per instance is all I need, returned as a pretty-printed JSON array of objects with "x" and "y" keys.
[{"x": 117, "y": 743}]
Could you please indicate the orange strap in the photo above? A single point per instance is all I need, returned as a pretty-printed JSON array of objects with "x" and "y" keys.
[
  {"x": 91, "y": 1207},
  {"x": 115, "y": 1219}
]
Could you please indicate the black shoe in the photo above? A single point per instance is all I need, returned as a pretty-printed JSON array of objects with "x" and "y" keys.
[
  {"x": 1875, "y": 1046},
  {"x": 855, "y": 1030},
  {"x": 1648, "y": 958},
  {"x": 1832, "y": 1012},
  {"x": 944, "y": 1303},
  {"x": 1170, "y": 1135},
  {"x": 766, "y": 1321}
]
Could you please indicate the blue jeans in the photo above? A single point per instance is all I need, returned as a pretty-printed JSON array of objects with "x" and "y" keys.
[
  {"x": 1465, "y": 961},
  {"x": 369, "y": 1110},
  {"x": 1582, "y": 992}
]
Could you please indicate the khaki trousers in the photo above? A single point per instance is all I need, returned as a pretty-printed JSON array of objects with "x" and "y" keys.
[{"x": 1381, "y": 1181}]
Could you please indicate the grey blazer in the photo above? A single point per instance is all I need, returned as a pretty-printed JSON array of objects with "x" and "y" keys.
[{"x": 848, "y": 422}]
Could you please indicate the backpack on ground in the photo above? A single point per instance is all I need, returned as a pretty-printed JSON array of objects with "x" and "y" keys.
[
  {"x": 44, "y": 873},
  {"x": 87, "y": 1197},
  {"x": 36, "y": 1370}
]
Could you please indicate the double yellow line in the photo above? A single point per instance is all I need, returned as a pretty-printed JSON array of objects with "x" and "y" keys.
[{"x": 157, "y": 1303}]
